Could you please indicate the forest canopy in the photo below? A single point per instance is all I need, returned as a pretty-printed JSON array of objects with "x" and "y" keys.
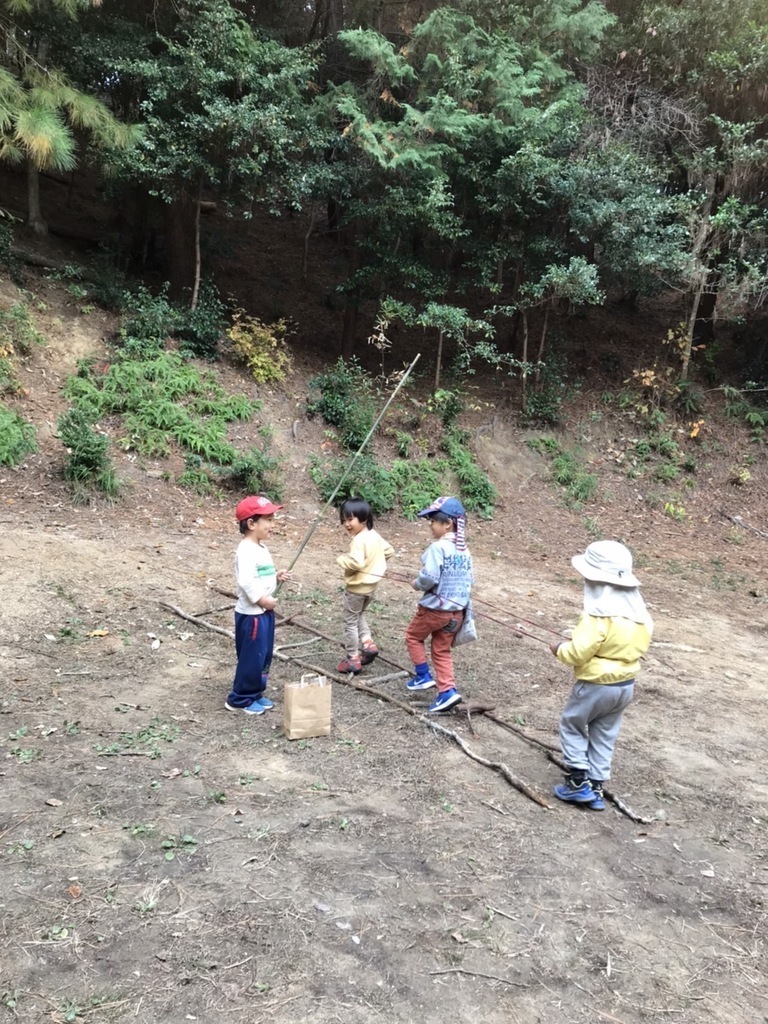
[{"x": 483, "y": 162}]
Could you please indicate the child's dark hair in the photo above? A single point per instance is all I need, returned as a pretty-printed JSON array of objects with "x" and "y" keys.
[
  {"x": 441, "y": 517},
  {"x": 244, "y": 523},
  {"x": 356, "y": 508}
]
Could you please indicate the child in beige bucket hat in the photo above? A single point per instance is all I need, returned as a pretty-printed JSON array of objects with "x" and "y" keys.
[{"x": 612, "y": 635}]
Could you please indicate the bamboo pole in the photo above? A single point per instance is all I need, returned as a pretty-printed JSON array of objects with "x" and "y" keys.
[{"x": 348, "y": 470}]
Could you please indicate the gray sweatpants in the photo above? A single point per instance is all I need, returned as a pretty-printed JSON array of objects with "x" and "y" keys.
[
  {"x": 356, "y": 628},
  {"x": 589, "y": 726}
]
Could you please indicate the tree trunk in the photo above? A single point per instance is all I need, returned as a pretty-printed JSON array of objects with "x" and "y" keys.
[
  {"x": 439, "y": 365},
  {"x": 692, "y": 325},
  {"x": 353, "y": 298},
  {"x": 542, "y": 342},
  {"x": 196, "y": 285},
  {"x": 34, "y": 213},
  {"x": 524, "y": 369},
  {"x": 180, "y": 220}
]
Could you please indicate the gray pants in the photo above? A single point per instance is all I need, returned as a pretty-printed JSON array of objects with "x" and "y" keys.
[
  {"x": 356, "y": 628},
  {"x": 589, "y": 726}
]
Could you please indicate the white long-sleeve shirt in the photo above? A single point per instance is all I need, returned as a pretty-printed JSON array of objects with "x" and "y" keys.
[{"x": 256, "y": 576}]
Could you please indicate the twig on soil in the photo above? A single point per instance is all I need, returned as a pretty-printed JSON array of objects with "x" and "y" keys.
[
  {"x": 16, "y": 824},
  {"x": 738, "y": 521},
  {"x": 228, "y": 967},
  {"x": 497, "y": 766},
  {"x": 553, "y": 753},
  {"x": 477, "y": 974}
]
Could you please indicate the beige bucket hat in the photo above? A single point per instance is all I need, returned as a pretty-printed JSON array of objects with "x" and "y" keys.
[{"x": 606, "y": 561}]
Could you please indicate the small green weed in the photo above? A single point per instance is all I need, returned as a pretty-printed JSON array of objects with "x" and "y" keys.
[
  {"x": 217, "y": 796},
  {"x": 26, "y": 755},
  {"x": 57, "y": 932},
  {"x": 17, "y": 437},
  {"x": 139, "y": 830},
  {"x": 172, "y": 846},
  {"x": 146, "y": 740},
  {"x": 579, "y": 485}
]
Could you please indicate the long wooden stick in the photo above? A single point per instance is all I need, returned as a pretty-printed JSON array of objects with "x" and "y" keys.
[
  {"x": 553, "y": 754},
  {"x": 348, "y": 470},
  {"x": 350, "y": 681},
  {"x": 497, "y": 766}
]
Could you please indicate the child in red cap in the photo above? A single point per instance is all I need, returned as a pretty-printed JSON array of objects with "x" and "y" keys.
[{"x": 254, "y": 612}]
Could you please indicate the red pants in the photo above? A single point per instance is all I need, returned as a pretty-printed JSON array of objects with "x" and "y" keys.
[{"x": 428, "y": 622}]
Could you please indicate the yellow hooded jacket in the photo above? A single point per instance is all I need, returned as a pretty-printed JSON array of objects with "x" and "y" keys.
[{"x": 605, "y": 650}]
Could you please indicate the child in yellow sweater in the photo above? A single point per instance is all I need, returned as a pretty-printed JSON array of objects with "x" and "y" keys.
[
  {"x": 363, "y": 567},
  {"x": 604, "y": 652}
]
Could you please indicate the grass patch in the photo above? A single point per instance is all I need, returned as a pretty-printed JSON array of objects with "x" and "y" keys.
[{"x": 579, "y": 485}]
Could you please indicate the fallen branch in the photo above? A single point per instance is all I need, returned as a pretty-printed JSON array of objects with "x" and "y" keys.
[
  {"x": 497, "y": 766},
  {"x": 477, "y": 974},
  {"x": 362, "y": 688},
  {"x": 609, "y": 795},
  {"x": 738, "y": 521},
  {"x": 553, "y": 754}
]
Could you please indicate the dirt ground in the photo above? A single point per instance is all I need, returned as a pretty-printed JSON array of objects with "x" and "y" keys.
[{"x": 164, "y": 859}]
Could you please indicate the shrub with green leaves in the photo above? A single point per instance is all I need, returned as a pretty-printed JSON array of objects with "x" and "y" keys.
[
  {"x": 163, "y": 400},
  {"x": 567, "y": 472},
  {"x": 409, "y": 486},
  {"x": 261, "y": 347},
  {"x": 17, "y": 437},
  {"x": 18, "y": 331},
  {"x": 89, "y": 464},
  {"x": 476, "y": 490},
  {"x": 343, "y": 396}
]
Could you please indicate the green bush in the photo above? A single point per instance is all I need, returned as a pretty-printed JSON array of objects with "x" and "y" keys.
[
  {"x": 89, "y": 464},
  {"x": 148, "y": 321},
  {"x": 476, "y": 490},
  {"x": 343, "y": 396},
  {"x": 202, "y": 328},
  {"x": 18, "y": 331},
  {"x": 17, "y": 437},
  {"x": 261, "y": 347},
  {"x": 567, "y": 472}
]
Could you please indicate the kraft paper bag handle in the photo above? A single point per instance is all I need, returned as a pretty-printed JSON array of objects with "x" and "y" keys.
[{"x": 312, "y": 679}]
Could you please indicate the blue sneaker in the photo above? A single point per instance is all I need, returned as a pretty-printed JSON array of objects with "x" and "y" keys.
[
  {"x": 257, "y": 708},
  {"x": 581, "y": 794},
  {"x": 598, "y": 802},
  {"x": 421, "y": 683},
  {"x": 265, "y": 702},
  {"x": 445, "y": 700},
  {"x": 251, "y": 709}
]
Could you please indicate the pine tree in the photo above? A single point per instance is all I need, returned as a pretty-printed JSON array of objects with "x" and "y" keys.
[{"x": 40, "y": 109}]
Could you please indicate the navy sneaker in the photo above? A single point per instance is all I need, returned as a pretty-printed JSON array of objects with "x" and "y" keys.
[
  {"x": 421, "y": 683},
  {"x": 581, "y": 794},
  {"x": 265, "y": 702},
  {"x": 445, "y": 700},
  {"x": 598, "y": 802}
]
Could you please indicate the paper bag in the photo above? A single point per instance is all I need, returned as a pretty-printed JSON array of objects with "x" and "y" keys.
[{"x": 307, "y": 707}]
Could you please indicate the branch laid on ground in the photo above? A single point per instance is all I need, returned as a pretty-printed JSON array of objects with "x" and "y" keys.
[
  {"x": 553, "y": 754},
  {"x": 609, "y": 795},
  {"x": 311, "y": 629},
  {"x": 350, "y": 681},
  {"x": 497, "y": 766},
  {"x": 738, "y": 521},
  {"x": 335, "y": 640}
]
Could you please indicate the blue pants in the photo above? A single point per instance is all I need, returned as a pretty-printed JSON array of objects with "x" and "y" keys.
[{"x": 254, "y": 640}]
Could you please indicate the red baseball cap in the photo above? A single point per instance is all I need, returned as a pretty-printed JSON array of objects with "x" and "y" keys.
[{"x": 255, "y": 505}]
